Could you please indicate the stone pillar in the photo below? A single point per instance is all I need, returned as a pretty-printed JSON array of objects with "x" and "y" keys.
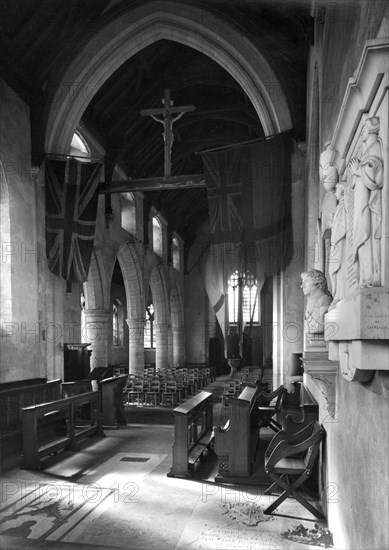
[
  {"x": 161, "y": 345},
  {"x": 292, "y": 323},
  {"x": 136, "y": 353},
  {"x": 95, "y": 332},
  {"x": 178, "y": 346}
]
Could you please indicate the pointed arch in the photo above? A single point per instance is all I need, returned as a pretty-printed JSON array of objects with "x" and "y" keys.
[
  {"x": 176, "y": 308},
  {"x": 96, "y": 288},
  {"x": 159, "y": 290},
  {"x": 135, "y": 29},
  {"x": 129, "y": 262}
]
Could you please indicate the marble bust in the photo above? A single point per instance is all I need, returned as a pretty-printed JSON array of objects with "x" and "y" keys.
[{"x": 314, "y": 286}]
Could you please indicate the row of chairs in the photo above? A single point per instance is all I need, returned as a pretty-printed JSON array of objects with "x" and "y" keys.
[
  {"x": 167, "y": 387},
  {"x": 233, "y": 386}
]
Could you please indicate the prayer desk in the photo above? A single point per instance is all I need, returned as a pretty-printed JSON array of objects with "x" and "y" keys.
[{"x": 193, "y": 433}]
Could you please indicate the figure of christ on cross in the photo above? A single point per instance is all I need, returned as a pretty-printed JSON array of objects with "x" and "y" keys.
[{"x": 167, "y": 115}]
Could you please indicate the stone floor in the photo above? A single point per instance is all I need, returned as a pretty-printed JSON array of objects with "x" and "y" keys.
[{"x": 114, "y": 493}]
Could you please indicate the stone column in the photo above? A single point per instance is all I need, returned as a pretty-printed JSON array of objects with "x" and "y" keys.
[
  {"x": 136, "y": 345},
  {"x": 161, "y": 345},
  {"x": 291, "y": 321},
  {"x": 178, "y": 345},
  {"x": 95, "y": 332}
]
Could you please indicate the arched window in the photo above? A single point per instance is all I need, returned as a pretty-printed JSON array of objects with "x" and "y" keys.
[
  {"x": 117, "y": 322},
  {"x": 128, "y": 213},
  {"x": 244, "y": 285},
  {"x": 176, "y": 254},
  {"x": 157, "y": 236},
  {"x": 149, "y": 336},
  {"x": 79, "y": 148}
]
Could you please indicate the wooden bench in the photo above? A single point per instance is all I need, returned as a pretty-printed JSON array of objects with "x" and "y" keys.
[
  {"x": 193, "y": 433},
  {"x": 13, "y": 397},
  {"x": 54, "y": 426},
  {"x": 236, "y": 442}
]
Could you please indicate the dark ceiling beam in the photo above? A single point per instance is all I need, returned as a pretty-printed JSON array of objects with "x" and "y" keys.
[{"x": 192, "y": 181}]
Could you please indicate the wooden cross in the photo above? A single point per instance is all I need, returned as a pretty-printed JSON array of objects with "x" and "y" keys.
[{"x": 165, "y": 115}]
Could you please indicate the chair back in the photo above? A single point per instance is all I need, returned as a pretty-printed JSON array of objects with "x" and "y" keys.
[
  {"x": 314, "y": 439},
  {"x": 155, "y": 385}
]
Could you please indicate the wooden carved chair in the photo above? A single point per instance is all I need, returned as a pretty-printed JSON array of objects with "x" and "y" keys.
[
  {"x": 269, "y": 405},
  {"x": 293, "y": 456}
]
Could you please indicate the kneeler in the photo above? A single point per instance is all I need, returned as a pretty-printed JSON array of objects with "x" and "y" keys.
[{"x": 293, "y": 455}]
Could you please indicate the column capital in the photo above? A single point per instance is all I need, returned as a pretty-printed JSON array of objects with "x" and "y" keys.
[
  {"x": 136, "y": 323},
  {"x": 96, "y": 314}
]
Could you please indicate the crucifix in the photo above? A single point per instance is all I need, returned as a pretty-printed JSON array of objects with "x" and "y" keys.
[{"x": 167, "y": 115}]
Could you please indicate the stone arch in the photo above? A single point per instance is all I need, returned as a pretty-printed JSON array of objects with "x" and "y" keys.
[
  {"x": 159, "y": 289},
  {"x": 136, "y": 29},
  {"x": 177, "y": 327},
  {"x": 176, "y": 308},
  {"x": 129, "y": 262},
  {"x": 96, "y": 288},
  {"x": 133, "y": 280}
]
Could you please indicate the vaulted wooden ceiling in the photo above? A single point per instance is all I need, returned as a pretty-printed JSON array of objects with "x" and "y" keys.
[{"x": 39, "y": 38}]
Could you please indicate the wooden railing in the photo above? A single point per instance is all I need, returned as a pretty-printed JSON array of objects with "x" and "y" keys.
[
  {"x": 193, "y": 433},
  {"x": 236, "y": 442},
  {"x": 54, "y": 426},
  {"x": 15, "y": 396}
]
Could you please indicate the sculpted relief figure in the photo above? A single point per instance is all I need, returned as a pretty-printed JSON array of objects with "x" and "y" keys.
[
  {"x": 328, "y": 171},
  {"x": 314, "y": 285},
  {"x": 367, "y": 181},
  {"x": 337, "y": 256}
]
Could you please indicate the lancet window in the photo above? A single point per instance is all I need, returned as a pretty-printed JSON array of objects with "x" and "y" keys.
[{"x": 242, "y": 298}]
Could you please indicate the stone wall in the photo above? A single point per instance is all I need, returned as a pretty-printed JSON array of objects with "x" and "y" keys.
[{"x": 351, "y": 381}]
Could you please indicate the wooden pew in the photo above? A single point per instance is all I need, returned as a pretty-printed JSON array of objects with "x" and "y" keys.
[
  {"x": 13, "y": 397},
  {"x": 57, "y": 425},
  {"x": 236, "y": 442},
  {"x": 193, "y": 433},
  {"x": 76, "y": 387}
]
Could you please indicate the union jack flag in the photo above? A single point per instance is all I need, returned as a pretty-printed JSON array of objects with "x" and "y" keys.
[{"x": 71, "y": 210}]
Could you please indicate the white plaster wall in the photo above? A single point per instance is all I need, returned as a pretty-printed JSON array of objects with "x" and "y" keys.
[{"x": 20, "y": 338}]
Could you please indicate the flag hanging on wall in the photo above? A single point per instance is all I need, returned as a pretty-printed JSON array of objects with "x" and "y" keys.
[
  {"x": 249, "y": 199},
  {"x": 71, "y": 211},
  {"x": 249, "y": 203}
]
